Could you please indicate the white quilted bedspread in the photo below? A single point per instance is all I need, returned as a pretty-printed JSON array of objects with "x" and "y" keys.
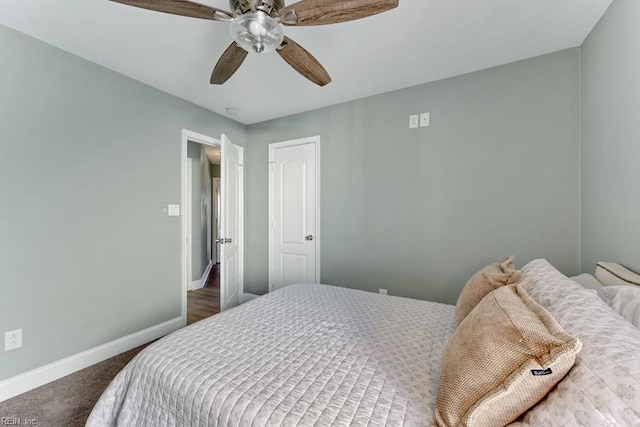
[{"x": 303, "y": 355}]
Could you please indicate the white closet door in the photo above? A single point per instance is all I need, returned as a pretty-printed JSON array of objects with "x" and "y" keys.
[{"x": 294, "y": 207}]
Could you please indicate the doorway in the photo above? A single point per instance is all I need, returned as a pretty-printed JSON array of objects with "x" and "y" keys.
[
  {"x": 211, "y": 197},
  {"x": 294, "y": 212}
]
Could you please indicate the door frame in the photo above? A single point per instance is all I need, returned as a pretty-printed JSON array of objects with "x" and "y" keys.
[
  {"x": 317, "y": 237},
  {"x": 187, "y": 213},
  {"x": 199, "y": 138}
]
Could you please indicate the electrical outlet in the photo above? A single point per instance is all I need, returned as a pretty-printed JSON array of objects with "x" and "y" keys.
[
  {"x": 413, "y": 121},
  {"x": 12, "y": 339},
  {"x": 383, "y": 291}
]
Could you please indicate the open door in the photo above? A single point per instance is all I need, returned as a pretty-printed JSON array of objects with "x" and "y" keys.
[{"x": 231, "y": 204}]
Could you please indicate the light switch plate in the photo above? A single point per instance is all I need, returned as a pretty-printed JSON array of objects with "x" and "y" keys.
[
  {"x": 413, "y": 121},
  {"x": 425, "y": 119},
  {"x": 174, "y": 210}
]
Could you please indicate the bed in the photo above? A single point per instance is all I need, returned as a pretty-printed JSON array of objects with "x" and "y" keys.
[
  {"x": 305, "y": 354},
  {"x": 323, "y": 355}
]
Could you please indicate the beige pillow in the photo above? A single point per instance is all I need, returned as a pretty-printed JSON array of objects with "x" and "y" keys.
[
  {"x": 482, "y": 283},
  {"x": 504, "y": 357}
]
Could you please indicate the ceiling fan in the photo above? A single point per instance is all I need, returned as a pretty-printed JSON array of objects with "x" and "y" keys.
[{"x": 255, "y": 27}]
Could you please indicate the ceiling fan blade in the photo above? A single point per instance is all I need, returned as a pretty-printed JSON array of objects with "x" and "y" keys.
[
  {"x": 181, "y": 7},
  {"x": 321, "y": 12},
  {"x": 303, "y": 62},
  {"x": 228, "y": 64}
]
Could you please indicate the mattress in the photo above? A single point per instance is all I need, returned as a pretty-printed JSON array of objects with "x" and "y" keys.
[{"x": 303, "y": 355}]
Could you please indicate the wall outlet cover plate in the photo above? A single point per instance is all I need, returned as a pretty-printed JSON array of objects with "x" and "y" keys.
[{"x": 12, "y": 339}]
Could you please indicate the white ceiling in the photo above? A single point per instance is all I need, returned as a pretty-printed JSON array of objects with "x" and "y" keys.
[{"x": 419, "y": 42}]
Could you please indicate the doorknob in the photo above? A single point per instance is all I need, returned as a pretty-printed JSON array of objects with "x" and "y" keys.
[
  {"x": 309, "y": 237},
  {"x": 228, "y": 240},
  {"x": 221, "y": 241}
]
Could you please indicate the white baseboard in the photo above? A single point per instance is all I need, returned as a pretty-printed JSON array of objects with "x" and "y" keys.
[
  {"x": 196, "y": 284},
  {"x": 45, "y": 374},
  {"x": 248, "y": 297},
  {"x": 199, "y": 284},
  {"x": 205, "y": 275}
]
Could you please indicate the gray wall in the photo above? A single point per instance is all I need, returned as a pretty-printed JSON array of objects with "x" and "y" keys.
[
  {"x": 200, "y": 209},
  {"x": 87, "y": 159},
  {"x": 417, "y": 211},
  {"x": 193, "y": 152},
  {"x": 205, "y": 210},
  {"x": 611, "y": 139},
  {"x": 200, "y": 202}
]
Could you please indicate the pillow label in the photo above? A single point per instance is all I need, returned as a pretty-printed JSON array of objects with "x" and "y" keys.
[{"x": 540, "y": 372}]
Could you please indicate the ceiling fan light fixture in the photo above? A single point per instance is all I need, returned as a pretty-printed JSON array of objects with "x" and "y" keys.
[{"x": 256, "y": 32}]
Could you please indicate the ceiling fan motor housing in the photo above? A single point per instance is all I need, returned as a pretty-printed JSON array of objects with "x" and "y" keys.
[{"x": 270, "y": 7}]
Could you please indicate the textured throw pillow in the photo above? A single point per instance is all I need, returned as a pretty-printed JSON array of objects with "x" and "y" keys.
[
  {"x": 603, "y": 388},
  {"x": 624, "y": 300},
  {"x": 502, "y": 359},
  {"x": 491, "y": 277}
]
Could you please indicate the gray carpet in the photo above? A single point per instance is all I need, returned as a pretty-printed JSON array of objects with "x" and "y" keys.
[{"x": 68, "y": 401}]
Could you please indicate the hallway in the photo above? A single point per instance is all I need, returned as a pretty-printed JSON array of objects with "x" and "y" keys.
[{"x": 205, "y": 302}]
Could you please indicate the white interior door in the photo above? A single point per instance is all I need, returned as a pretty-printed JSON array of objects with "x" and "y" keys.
[
  {"x": 294, "y": 247},
  {"x": 215, "y": 201},
  {"x": 230, "y": 200}
]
